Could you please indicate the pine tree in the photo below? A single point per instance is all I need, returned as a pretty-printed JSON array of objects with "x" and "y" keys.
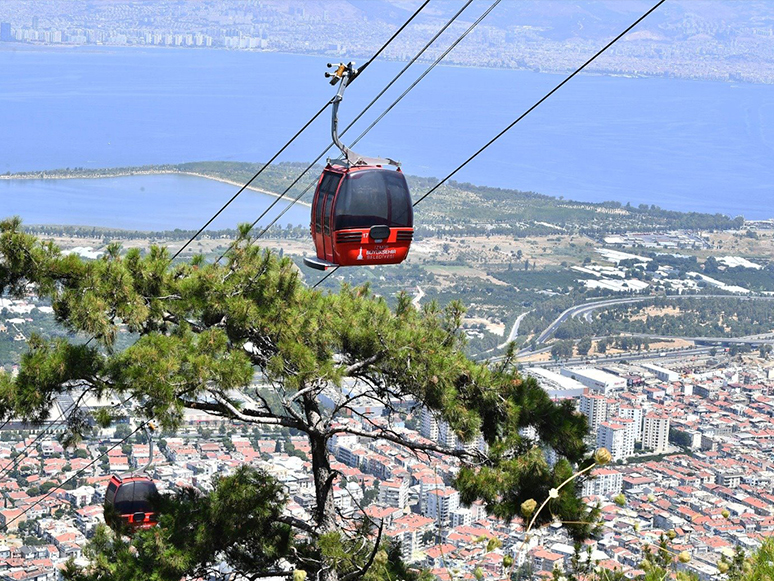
[
  {"x": 239, "y": 525},
  {"x": 204, "y": 330}
]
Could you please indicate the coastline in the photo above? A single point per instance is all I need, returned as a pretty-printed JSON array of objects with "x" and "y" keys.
[
  {"x": 121, "y": 174},
  {"x": 539, "y": 69}
]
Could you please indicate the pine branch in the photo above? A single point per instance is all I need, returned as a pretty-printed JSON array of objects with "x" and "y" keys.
[
  {"x": 382, "y": 434},
  {"x": 247, "y": 416}
]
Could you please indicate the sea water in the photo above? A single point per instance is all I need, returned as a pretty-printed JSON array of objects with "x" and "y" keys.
[{"x": 679, "y": 144}]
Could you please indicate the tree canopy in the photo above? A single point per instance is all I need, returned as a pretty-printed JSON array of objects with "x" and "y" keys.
[{"x": 202, "y": 332}]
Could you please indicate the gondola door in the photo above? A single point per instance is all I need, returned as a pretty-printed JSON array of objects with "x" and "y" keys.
[
  {"x": 323, "y": 207},
  {"x": 317, "y": 206}
]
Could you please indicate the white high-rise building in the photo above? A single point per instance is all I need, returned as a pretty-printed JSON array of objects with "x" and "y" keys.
[
  {"x": 446, "y": 435},
  {"x": 605, "y": 482},
  {"x": 655, "y": 433},
  {"x": 634, "y": 413},
  {"x": 428, "y": 425},
  {"x": 461, "y": 517},
  {"x": 441, "y": 503},
  {"x": 594, "y": 407},
  {"x": 617, "y": 435},
  {"x": 394, "y": 493}
]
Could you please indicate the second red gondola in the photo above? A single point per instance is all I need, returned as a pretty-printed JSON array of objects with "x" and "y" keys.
[{"x": 128, "y": 504}]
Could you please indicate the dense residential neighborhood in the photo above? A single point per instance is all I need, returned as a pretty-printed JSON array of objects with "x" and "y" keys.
[{"x": 690, "y": 438}]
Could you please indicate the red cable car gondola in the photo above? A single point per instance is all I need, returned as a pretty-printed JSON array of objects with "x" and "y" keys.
[
  {"x": 361, "y": 212},
  {"x": 128, "y": 503},
  {"x": 128, "y": 499}
]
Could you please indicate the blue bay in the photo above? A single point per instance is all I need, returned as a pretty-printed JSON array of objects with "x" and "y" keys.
[
  {"x": 684, "y": 145},
  {"x": 140, "y": 202}
]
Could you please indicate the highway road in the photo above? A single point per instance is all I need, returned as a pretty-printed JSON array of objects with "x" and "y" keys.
[
  {"x": 586, "y": 309},
  {"x": 514, "y": 330},
  {"x": 655, "y": 356}
]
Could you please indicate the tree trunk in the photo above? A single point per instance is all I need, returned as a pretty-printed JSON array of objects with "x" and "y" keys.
[{"x": 324, "y": 477}]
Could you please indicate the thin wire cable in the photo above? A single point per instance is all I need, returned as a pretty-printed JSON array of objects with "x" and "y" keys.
[
  {"x": 323, "y": 279},
  {"x": 251, "y": 180},
  {"x": 23, "y": 454},
  {"x": 61, "y": 421},
  {"x": 76, "y": 475},
  {"x": 391, "y": 106},
  {"x": 527, "y": 112},
  {"x": 536, "y": 105},
  {"x": 393, "y": 37},
  {"x": 428, "y": 69},
  {"x": 347, "y": 128},
  {"x": 292, "y": 139}
]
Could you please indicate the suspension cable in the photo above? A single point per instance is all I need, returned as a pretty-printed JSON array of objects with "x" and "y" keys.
[
  {"x": 292, "y": 139},
  {"x": 323, "y": 279},
  {"x": 527, "y": 112},
  {"x": 427, "y": 70},
  {"x": 393, "y": 37},
  {"x": 395, "y": 102},
  {"x": 246, "y": 185},
  {"x": 61, "y": 421},
  {"x": 76, "y": 475},
  {"x": 23, "y": 454},
  {"x": 349, "y": 126},
  {"x": 536, "y": 105}
]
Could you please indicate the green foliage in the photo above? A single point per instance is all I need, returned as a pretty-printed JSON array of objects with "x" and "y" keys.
[
  {"x": 698, "y": 317},
  {"x": 237, "y": 523},
  {"x": 677, "y": 436},
  {"x": 658, "y": 564},
  {"x": 584, "y": 346},
  {"x": 204, "y": 330},
  {"x": 757, "y": 567},
  {"x": 369, "y": 496},
  {"x": 562, "y": 349}
]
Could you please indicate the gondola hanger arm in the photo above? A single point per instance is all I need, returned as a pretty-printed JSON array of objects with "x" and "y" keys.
[{"x": 344, "y": 75}]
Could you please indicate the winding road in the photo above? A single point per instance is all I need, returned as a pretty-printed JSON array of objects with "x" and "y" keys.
[{"x": 586, "y": 309}]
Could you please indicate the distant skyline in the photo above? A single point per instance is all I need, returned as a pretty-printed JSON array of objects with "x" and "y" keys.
[{"x": 718, "y": 40}]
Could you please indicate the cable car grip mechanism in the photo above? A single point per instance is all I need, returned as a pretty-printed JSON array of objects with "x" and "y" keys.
[{"x": 344, "y": 75}]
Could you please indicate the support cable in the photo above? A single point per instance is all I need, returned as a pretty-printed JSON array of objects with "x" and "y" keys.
[
  {"x": 23, "y": 454},
  {"x": 292, "y": 139},
  {"x": 61, "y": 421},
  {"x": 76, "y": 475},
  {"x": 523, "y": 115},
  {"x": 251, "y": 180},
  {"x": 536, "y": 105},
  {"x": 347, "y": 128}
]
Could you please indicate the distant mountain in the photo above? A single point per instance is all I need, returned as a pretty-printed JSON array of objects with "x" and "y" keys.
[{"x": 381, "y": 9}]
